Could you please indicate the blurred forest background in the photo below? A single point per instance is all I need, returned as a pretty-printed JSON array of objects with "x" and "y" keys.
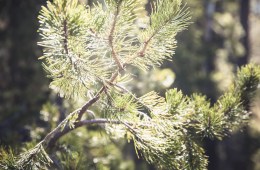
[{"x": 224, "y": 35}]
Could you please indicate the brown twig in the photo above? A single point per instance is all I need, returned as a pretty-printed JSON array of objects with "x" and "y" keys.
[
  {"x": 111, "y": 38},
  {"x": 65, "y": 33}
]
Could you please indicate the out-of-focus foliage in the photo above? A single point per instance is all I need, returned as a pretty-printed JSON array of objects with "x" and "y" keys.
[{"x": 209, "y": 49}]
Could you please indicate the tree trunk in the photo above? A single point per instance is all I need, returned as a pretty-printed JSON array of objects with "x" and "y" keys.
[{"x": 244, "y": 19}]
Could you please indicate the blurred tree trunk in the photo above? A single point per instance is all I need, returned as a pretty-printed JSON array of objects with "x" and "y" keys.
[
  {"x": 22, "y": 86},
  {"x": 244, "y": 19},
  {"x": 232, "y": 153},
  {"x": 235, "y": 152},
  {"x": 210, "y": 7},
  {"x": 209, "y": 38}
]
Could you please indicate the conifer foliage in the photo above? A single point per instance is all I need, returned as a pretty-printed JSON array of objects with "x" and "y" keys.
[{"x": 89, "y": 53}]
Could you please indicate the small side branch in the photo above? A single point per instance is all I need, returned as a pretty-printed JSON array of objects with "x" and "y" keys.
[
  {"x": 65, "y": 33},
  {"x": 65, "y": 40},
  {"x": 142, "y": 51},
  {"x": 96, "y": 97},
  {"x": 111, "y": 38}
]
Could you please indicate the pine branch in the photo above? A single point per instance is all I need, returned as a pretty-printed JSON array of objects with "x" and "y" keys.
[
  {"x": 157, "y": 31},
  {"x": 168, "y": 136}
]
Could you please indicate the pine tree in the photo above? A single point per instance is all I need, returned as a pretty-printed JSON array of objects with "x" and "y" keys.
[{"x": 90, "y": 52}]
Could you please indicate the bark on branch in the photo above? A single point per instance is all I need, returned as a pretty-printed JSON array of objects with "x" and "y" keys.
[{"x": 56, "y": 134}]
